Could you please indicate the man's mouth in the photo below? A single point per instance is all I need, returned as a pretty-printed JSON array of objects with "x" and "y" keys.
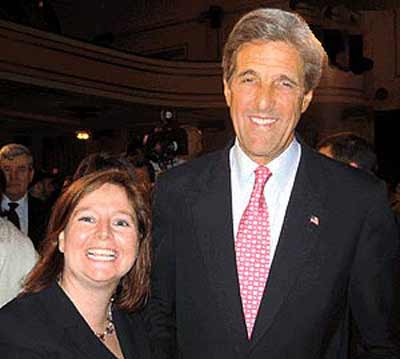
[{"x": 263, "y": 121}]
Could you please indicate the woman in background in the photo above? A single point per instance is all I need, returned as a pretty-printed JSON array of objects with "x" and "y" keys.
[{"x": 82, "y": 298}]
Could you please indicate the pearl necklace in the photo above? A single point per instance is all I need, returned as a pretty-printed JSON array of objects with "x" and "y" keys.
[{"x": 110, "y": 329}]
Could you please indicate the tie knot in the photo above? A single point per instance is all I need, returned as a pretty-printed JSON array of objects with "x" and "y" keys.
[
  {"x": 262, "y": 174},
  {"x": 13, "y": 206}
]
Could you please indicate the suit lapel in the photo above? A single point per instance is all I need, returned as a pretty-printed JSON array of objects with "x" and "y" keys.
[
  {"x": 299, "y": 235},
  {"x": 85, "y": 343},
  {"x": 212, "y": 213},
  {"x": 75, "y": 332},
  {"x": 131, "y": 335},
  {"x": 123, "y": 329}
]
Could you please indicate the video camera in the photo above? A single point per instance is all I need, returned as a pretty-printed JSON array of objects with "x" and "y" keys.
[{"x": 165, "y": 143}]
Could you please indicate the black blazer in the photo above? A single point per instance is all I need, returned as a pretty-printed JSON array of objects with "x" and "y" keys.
[
  {"x": 38, "y": 214},
  {"x": 47, "y": 325},
  {"x": 335, "y": 259}
]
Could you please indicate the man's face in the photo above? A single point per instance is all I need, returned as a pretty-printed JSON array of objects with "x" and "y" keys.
[
  {"x": 266, "y": 98},
  {"x": 19, "y": 174}
]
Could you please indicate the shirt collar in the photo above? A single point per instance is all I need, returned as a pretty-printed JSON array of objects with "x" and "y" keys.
[
  {"x": 280, "y": 167},
  {"x": 21, "y": 201}
]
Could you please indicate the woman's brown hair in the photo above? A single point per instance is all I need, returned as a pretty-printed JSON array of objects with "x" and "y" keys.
[{"x": 134, "y": 287}]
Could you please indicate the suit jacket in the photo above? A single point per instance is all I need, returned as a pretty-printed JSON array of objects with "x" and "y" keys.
[
  {"x": 37, "y": 220},
  {"x": 47, "y": 325},
  {"x": 335, "y": 259}
]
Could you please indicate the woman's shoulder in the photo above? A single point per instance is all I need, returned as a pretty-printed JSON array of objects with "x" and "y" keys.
[
  {"x": 29, "y": 312},
  {"x": 24, "y": 309},
  {"x": 26, "y": 322}
]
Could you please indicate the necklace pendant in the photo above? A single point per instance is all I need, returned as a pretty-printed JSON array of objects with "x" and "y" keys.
[{"x": 110, "y": 325}]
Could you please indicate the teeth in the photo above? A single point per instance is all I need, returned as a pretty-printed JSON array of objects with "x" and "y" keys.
[
  {"x": 101, "y": 254},
  {"x": 262, "y": 121}
]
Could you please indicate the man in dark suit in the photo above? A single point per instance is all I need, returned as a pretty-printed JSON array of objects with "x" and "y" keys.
[
  {"x": 276, "y": 270},
  {"x": 26, "y": 212}
]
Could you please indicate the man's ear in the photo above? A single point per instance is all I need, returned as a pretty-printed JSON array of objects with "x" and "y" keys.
[
  {"x": 61, "y": 238},
  {"x": 306, "y": 100},
  {"x": 227, "y": 93}
]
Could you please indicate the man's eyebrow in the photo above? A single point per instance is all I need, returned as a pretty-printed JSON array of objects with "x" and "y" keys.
[
  {"x": 287, "y": 78},
  {"x": 246, "y": 72}
]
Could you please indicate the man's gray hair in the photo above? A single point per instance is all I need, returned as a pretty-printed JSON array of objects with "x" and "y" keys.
[
  {"x": 12, "y": 150},
  {"x": 276, "y": 25}
]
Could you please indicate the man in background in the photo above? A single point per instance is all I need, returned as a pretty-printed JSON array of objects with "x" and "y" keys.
[
  {"x": 26, "y": 212},
  {"x": 351, "y": 149}
]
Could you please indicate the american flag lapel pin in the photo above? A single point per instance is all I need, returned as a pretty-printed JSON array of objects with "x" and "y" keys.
[{"x": 314, "y": 220}]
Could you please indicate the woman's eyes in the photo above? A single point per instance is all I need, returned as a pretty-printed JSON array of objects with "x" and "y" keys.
[
  {"x": 86, "y": 219},
  {"x": 117, "y": 222},
  {"x": 122, "y": 223}
]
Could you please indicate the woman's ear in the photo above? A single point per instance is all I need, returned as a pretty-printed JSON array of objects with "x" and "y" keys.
[{"x": 61, "y": 242}]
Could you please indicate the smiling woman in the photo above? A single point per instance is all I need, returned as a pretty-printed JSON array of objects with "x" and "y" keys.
[{"x": 93, "y": 271}]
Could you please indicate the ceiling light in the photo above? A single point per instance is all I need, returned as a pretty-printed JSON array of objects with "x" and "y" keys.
[{"x": 82, "y": 135}]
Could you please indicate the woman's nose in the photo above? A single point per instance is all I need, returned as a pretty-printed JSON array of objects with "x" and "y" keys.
[{"x": 103, "y": 231}]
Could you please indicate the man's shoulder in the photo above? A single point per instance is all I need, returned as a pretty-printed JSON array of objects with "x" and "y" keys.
[
  {"x": 38, "y": 210},
  {"x": 333, "y": 173},
  {"x": 35, "y": 202},
  {"x": 197, "y": 168}
]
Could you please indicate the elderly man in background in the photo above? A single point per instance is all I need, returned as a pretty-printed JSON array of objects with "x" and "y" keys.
[{"x": 26, "y": 212}]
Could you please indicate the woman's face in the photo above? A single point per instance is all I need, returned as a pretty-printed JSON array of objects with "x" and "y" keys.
[{"x": 100, "y": 240}]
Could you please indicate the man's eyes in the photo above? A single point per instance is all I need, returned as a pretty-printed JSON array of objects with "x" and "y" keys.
[
  {"x": 288, "y": 84},
  {"x": 19, "y": 169},
  {"x": 248, "y": 79}
]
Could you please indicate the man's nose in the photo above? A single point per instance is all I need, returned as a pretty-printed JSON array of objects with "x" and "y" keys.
[
  {"x": 265, "y": 97},
  {"x": 12, "y": 175}
]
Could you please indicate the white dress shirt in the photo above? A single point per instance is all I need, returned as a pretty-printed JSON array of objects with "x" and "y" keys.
[
  {"x": 22, "y": 211},
  {"x": 276, "y": 191}
]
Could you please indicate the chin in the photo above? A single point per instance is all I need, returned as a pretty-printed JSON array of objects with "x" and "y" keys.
[{"x": 103, "y": 277}]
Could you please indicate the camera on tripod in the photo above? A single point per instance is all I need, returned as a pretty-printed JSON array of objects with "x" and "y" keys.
[{"x": 166, "y": 142}]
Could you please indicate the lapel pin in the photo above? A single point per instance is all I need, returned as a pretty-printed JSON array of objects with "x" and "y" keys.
[{"x": 314, "y": 220}]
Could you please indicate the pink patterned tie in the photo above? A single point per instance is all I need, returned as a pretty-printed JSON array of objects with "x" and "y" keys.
[{"x": 252, "y": 247}]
